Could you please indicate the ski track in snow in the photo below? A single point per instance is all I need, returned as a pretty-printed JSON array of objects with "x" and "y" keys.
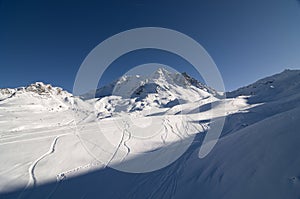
[
  {"x": 196, "y": 118},
  {"x": 39, "y": 131},
  {"x": 32, "y": 178},
  {"x": 129, "y": 137},
  {"x": 59, "y": 177},
  {"x": 12, "y": 168},
  {"x": 125, "y": 144},
  {"x": 31, "y": 139},
  {"x": 165, "y": 135},
  {"x": 172, "y": 128},
  {"x": 117, "y": 149},
  {"x": 122, "y": 142},
  {"x": 33, "y": 166}
]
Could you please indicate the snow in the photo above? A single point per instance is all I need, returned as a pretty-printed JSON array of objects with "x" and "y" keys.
[{"x": 53, "y": 141}]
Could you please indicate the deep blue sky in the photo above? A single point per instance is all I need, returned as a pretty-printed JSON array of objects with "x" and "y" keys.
[{"x": 48, "y": 40}]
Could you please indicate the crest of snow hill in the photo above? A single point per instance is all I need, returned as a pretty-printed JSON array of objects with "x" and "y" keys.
[{"x": 279, "y": 86}]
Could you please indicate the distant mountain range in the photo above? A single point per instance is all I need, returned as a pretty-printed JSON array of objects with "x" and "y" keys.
[{"x": 57, "y": 145}]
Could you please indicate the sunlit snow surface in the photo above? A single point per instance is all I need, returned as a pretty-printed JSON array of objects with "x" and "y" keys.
[{"x": 51, "y": 136}]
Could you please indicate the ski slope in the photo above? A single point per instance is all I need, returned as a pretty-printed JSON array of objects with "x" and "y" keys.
[{"x": 51, "y": 139}]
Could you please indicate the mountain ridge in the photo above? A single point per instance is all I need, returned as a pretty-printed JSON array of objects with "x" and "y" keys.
[
  {"x": 135, "y": 81},
  {"x": 256, "y": 155}
]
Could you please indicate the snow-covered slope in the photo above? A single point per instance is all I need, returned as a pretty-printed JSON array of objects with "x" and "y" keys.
[
  {"x": 49, "y": 136},
  {"x": 274, "y": 95},
  {"x": 36, "y": 106}
]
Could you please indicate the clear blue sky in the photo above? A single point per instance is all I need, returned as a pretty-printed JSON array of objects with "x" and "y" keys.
[{"x": 48, "y": 40}]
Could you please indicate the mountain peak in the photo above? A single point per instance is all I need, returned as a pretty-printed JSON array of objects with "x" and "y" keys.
[
  {"x": 162, "y": 71},
  {"x": 160, "y": 81},
  {"x": 39, "y": 88},
  {"x": 161, "y": 74},
  {"x": 42, "y": 88}
]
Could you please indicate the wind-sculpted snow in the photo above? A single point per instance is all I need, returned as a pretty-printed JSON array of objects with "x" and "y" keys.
[{"x": 55, "y": 145}]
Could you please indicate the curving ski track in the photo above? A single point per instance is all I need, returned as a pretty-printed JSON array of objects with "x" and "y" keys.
[{"x": 32, "y": 179}]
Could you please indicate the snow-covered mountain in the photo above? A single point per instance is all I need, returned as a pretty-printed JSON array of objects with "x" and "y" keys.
[
  {"x": 69, "y": 142},
  {"x": 38, "y": 89},
  {"x": 160, "y": 82},
  {"x": 161, "y": 89}
]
